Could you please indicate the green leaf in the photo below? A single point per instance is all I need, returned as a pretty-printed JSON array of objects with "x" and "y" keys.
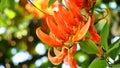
[
  {"x": 98, "y": 63},
  {"x": 3, "y": 4},
  {"x": 10, "y": 13},
  {"x": 116, "y": 66},
  {"x": 51, "y": 2},
  {"x": 89, "y": 47},
  {"x": 6, "y": 4},
  {"x": 104, "y": 37},
  {"x": 99, "y": 26},
  {"x": 114, "y": 50}
]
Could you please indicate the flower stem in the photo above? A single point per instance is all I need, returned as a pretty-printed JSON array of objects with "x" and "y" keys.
[
  {"x": 92, "y": 9},
  {"x": 107, "y": 60}
]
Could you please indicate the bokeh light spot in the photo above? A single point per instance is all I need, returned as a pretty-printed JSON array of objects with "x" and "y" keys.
[
  {"x": 103, "y": 6},
  {"x": 2, "y": 30},
  {"x": 13, "y": 51},
  {"x": 78, "y": 47},
  {"x": 2, "y": 66},
  {"x": 13, "y": 43},
  {"x": 30, "y": 38},
  {"x": 17, "y": 0},
  {"x": 44, "y": 59},
  {"x": 21, "y": 57},
  {"x": 65, "y": 65},
  {"x": 111, "y": 60},
  {"x": 81, "y": 58},
  {"x": 115, "y": 39},
  {"x": 113, "y": 5},
  {"x": 40, "y": 61},
  {"x": 40, "y": 49}
]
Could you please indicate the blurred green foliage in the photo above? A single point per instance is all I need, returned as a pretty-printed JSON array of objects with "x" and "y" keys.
[{"x": 17, "y": 34}]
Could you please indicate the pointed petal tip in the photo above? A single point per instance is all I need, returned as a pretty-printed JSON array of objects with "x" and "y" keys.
[
  {"x": 47, "y": 39},
  {"x": 82, "y": 31},
  {"x": 56, "y": 60}
]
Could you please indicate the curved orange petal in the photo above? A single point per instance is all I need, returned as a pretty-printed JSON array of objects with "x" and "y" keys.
[
  {"x": 66, "y": 60},
  {"x": 52, "y": 35},
  {"x": 44, "y": 26},
  {"x": 54, "y": 29},
  {"x": 57, "y": 59},
  {"x": 94, "y": 36},
  {"x": 74, "y": 9},
  {"x": 81, "y": 3},
  {"x": 66, "y": 16},
  {"x": 73, "y": 49},
  {"x": 72, "y": 61},
  {"x": 57, "y": 52},
  {"x": 72, "y": 52},
  {"x": 81, "y": 32},
  {"x": 47, "y": 39},
  {"x": 61, "y": 23}
]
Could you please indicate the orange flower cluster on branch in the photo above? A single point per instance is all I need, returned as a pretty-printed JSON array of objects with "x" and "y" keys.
[{"x": 67, "y": 27}]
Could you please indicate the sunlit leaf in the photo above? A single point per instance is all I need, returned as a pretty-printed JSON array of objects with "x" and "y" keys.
[
  {"x": 89, "y": 47},
  {"x": 98, "y": 63},
  {"x": 10, "y": 13},
  {"x": 51, "y": 2},
  {"x": 2, "y": 23},
  {"x": 104, "y": 37},
  {"x": 32, "y": 65},
  {"x": 99, "y": 26}
]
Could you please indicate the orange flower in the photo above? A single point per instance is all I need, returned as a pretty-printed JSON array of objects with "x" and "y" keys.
[
  {"x": 67, "y": 27},
  {"x": 84, "y": 3},
  {"x": 81, "y": 3}
]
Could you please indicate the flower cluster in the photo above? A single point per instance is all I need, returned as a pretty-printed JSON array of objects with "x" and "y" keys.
[{"x": 67, "y": 27}]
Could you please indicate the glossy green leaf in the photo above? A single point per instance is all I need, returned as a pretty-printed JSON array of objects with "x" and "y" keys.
[
  {"x": 98, "y": 63},
  {"x": 114, "y": 50},
  {"x": 89, "y": 47},
  {"x": 51, "y": 2},
  {"x": 104, "y": 37}
]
